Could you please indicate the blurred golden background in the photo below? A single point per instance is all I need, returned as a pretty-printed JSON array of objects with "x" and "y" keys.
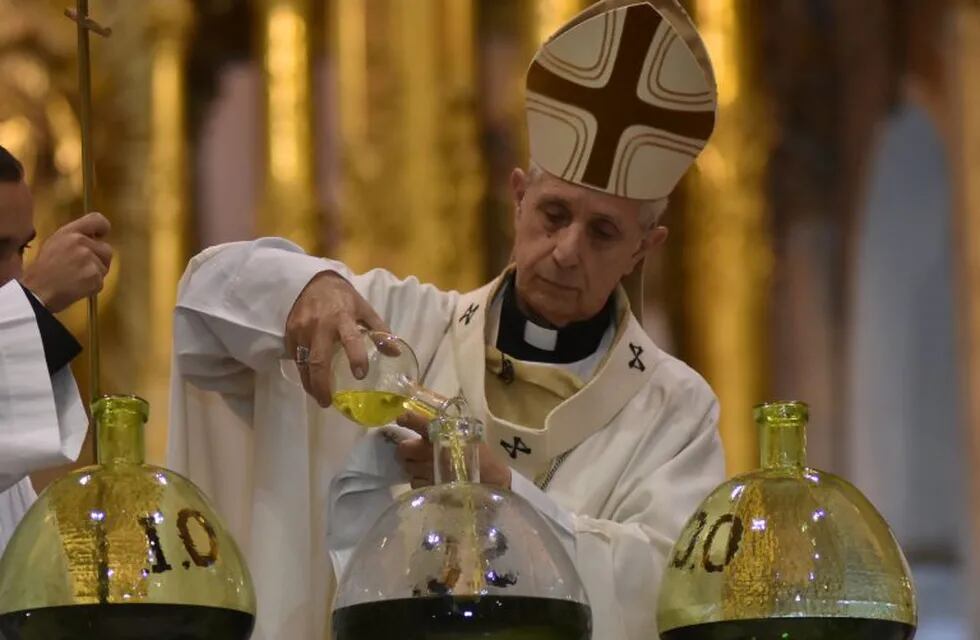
[{"x": 826, "y": 249}]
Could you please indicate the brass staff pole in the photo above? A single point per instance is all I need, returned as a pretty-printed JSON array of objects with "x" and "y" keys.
[{"x": 86, "y": 24}]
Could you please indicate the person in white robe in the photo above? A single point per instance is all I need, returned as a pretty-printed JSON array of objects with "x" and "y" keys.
[
  {"x": 42, "y": 420},
  {"x": 609, "y": 437}
]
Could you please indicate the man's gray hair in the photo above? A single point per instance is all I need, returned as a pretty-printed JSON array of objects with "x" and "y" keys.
[{"x": 650, "y": 210}]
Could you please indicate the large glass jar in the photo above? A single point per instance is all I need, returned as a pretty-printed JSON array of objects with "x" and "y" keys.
[
  {"x": 787, "y": 552},
  {"x": 123, "y": 551},
  {"x": 460, "y": 560}
]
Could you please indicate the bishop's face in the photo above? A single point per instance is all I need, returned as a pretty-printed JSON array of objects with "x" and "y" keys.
[
  {"x": 572, "y": 246},
  {"x": 16, "y": 228}
]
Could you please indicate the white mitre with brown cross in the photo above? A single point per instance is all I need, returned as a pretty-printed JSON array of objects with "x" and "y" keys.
[{"x": 622, "y": 99}]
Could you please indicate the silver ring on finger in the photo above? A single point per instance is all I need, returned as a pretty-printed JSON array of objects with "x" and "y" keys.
[{"x": 302, "y": 356}]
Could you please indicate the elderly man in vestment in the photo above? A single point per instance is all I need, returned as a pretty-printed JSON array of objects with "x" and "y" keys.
[{"x": 609, "y": 437}]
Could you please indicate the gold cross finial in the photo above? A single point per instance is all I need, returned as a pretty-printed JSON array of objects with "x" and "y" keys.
[{"x": 88, "y": 23}]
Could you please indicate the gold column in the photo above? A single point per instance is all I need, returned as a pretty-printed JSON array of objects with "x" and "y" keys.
[
  {"x": 167, "y": 222},
  {"x": 964, "y": 97},
  {"x": 411, "y": 173},
  {"x": 289, "y": 202},
  {"x": 728, "y": 260}
]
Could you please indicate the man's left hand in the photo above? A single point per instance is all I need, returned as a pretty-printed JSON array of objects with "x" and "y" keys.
[{"x": 416, "y": 456}]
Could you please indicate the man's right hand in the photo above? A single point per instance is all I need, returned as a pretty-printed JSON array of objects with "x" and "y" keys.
[
  {"x": 329, "y": 310},
  {"x": 72, "y": 263}
]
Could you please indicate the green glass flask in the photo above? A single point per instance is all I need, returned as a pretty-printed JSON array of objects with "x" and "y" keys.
[
  {"x": 123, "y": 550},
  {"x": 786, "y": 553}
]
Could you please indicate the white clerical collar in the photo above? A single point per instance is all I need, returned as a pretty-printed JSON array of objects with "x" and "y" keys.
[
  {"x": 522, "y": 338},
  {"x": 540, "y": 337}
]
